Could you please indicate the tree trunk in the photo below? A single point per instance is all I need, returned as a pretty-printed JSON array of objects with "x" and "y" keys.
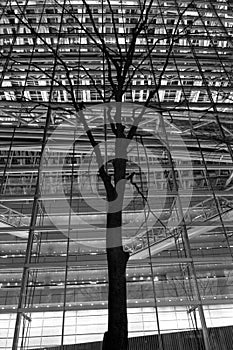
[{"x": 116, "y": 338}]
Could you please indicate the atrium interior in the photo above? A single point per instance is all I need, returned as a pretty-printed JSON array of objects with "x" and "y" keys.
[{"x": 64, "y": 58}]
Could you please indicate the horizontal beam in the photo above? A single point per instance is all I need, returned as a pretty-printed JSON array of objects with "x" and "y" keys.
[
  {"x": 67, "y": 168},
  {"x": 100, "y": 261},
  {"x": 135, "y": 303},
  {"x": 159, "y": 194}
]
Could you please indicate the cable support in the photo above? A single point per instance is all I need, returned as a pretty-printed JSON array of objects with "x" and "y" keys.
[
  {"x": 190, "y": 295},
  {"x": 160, "y": 339},
  {"x": 6, "y": 167},
  {"x": 68, "y": 239},
  {"x": 213, "y": 105},
  {"x": 206, "y": 171},
  {"x": 215, "y": 198},
  {"x": 35, "y": 208},
  {"x": 30, "y": 291},
  {"x": 185, "y": 235},
  {"x": 177, "y": 241}
]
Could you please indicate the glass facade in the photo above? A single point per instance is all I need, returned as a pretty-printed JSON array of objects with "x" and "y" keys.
[{"x": 59, "y": 58}]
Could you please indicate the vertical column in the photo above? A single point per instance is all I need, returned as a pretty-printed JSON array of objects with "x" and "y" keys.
[{"x": 185, "y": 237}]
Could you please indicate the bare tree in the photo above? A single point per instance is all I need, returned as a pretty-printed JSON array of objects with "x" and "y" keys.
[{"x": 121, "y": 62}]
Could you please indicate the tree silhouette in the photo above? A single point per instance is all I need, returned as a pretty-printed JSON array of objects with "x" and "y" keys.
[{"x": 121, "y": 62}]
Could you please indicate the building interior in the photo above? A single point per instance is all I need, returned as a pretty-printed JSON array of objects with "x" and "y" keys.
[{"x": 60, "y": 57}]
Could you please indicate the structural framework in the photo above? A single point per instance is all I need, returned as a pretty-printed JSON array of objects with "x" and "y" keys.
[{"x": 59, "y": 57}]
